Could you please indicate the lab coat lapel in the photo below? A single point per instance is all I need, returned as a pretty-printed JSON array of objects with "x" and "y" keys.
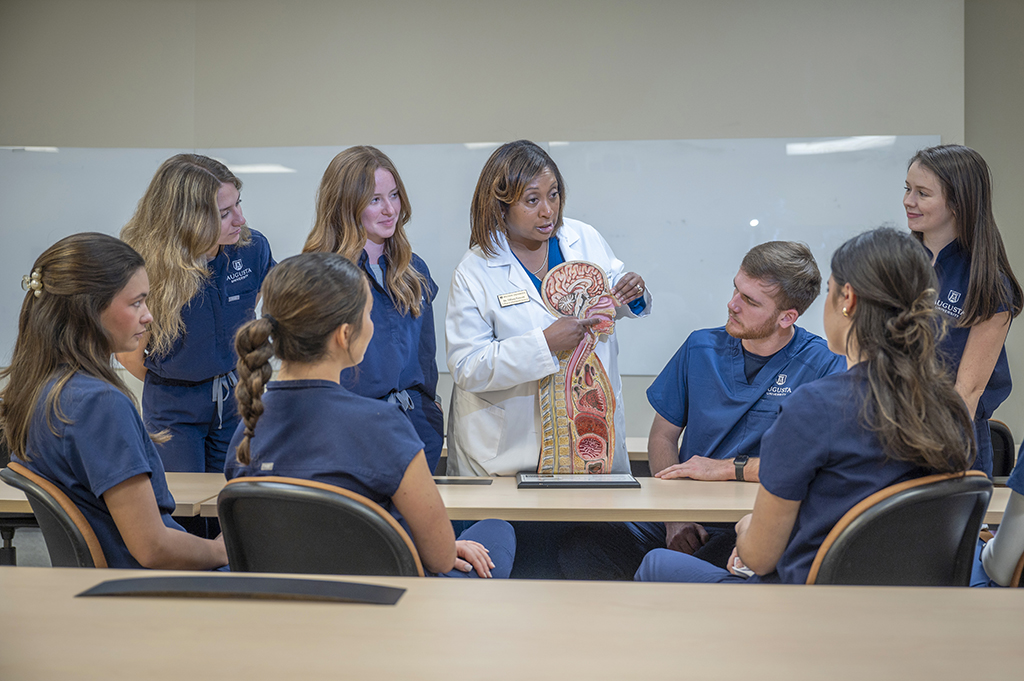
[{"x": 517, "y": 277}]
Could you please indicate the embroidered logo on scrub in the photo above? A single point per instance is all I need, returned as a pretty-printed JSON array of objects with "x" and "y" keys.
[
  {"x": 954, "y": 296},
  {"x": 777, "y": 390},
  {"x": 241, "y": 272}
]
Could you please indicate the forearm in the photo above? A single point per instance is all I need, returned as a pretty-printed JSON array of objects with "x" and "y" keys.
[
  {"x": 173, "y": 549},
  {"x": 1002, "y": 553}
]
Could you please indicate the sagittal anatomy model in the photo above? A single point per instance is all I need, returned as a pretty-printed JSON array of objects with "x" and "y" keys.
[{"x": 577, "y": 404}]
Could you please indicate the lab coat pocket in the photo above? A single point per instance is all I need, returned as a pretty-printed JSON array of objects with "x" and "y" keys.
[{"x": 482, "y": 430}]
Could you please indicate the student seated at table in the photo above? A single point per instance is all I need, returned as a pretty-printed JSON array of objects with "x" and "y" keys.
[
  {"x": 721, "y": 391},
  {"x": 316, "y": 320},
  {"x": 996, "y": 561},
  {"x": 895, "y": 415},
  {"x": 68, "y": 416}
]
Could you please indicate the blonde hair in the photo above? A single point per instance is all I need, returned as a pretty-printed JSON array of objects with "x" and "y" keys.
[
  {"x": 59, "y": 330},
  {"x": 176, "y": 223},
  {"x": 504, "y": 178},
  {"x": 345, "y": 191}
]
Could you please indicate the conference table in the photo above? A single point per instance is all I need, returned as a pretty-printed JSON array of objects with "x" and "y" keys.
[
  {"x": 189, "y": 490},
  {"x": 656, "y": 500},
  {"x": 512, "y": 629}
]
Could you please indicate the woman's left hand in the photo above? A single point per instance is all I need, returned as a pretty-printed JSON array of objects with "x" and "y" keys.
[
  {"x": 630, "y": 287},
  {"x": 471, "y": 555}
]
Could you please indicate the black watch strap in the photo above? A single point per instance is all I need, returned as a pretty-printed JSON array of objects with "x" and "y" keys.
[{"x": 740, "y": 462}]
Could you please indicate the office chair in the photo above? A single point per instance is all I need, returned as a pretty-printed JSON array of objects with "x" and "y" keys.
[
  {"x": 69, "y": 537},
  {"x": 920, "y": 532},
  {"x": 277, "y": 524},
  {"x": 1002, "y": 448}
]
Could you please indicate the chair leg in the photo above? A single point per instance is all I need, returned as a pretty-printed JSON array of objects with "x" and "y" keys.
[{"x": 8, "y": 554}]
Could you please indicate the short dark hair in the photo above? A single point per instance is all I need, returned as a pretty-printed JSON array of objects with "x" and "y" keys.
[{"x": 789, "y": 268}]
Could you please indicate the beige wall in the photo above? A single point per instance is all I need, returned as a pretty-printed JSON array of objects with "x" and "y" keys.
[
  {"x": 221, "y": 73},
  {"x": 994, "y": 125},
  {"x": 214, "y": 73}
]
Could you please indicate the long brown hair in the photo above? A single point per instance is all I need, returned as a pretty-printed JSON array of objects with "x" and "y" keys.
[
  {"x": 967, "y": 187},
  {"x": 176, "y": 223},
  {"x": 345, "y": 191},
  {"x": 59, "y": 330},
  {"x": 502, "y": 182},
  {"x": 912, "y": 403},
  {"x": 306, "y": 298}
]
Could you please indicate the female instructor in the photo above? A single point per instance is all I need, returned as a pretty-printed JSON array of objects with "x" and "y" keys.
[{"x": 501, "y": 340}]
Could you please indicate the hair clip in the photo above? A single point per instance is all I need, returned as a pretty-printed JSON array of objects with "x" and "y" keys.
[{"x": 33, "y": 283}]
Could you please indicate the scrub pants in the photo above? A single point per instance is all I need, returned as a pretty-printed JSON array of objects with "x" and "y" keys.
[
  {"x": 428, "y": 420},
  {"x": 613, "y": 551},
  {"x": 663, "y": 565},
  {"x": 199, "y": 438},
  {"x": 500, "y": 540}
]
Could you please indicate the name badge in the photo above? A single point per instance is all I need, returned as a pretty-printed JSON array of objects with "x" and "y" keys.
[
  {"x": 514, "y": 298},
  {"x": 232, "y": 299}
]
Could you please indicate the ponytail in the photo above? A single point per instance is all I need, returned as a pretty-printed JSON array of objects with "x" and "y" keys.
[
  {"x": 254, "y": 371},
  {"x": 912, "y": 403}
]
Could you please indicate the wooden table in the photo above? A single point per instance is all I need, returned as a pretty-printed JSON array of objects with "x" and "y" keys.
[
  {"x": 189, "y": 490},
  {"x": 512, "y": 629},
  {"x": 658, "y": 500}
]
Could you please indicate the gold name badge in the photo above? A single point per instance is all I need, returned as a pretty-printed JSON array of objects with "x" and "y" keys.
[{"x": 514, "y": 298}]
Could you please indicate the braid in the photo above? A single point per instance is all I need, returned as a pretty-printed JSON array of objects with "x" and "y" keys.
[{"x": 254, "y": 371}]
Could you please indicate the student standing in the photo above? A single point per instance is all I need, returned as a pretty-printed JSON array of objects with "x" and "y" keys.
[
  {"x": 206, "y": 267},
  {"x": 948, "y": 199},
  {"x": 361, "y": 212}
]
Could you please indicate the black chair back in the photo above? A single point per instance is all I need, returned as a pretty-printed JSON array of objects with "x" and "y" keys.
[
  {"x": 921, "y": 532},
  {"x": 69, "y": 537},
  {"x": 276, "y": 524},
  {"x": 1003, "y": 452}
]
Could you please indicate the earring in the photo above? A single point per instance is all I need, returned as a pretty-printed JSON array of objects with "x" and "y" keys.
[{"x": 845, "y": 313}]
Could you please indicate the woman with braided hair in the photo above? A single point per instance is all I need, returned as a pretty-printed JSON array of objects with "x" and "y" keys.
[
  {"x": 67, "y": 415},
  {"x": 894, "y": 416},
  {"x": 317, "y": 321}
]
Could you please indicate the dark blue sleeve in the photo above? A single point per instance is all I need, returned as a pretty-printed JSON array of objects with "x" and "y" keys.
[
  {"x": 667, "y": 393},
  {"x": 106, "y": 444}
]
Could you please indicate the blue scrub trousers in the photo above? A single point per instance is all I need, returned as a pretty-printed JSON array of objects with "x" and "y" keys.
[
  {"x": 199, "y": 439},
  {"x": 983, "y": 435},
  {"x": 428, "y": 420},
  {"x": 500, "y": 540},
  {"x": 664, "y": 565}
]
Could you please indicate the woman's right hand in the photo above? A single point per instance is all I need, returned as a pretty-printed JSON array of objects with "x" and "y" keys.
[
  {"x": 567, "y": 332},
  {"x": 471, "y": 555}
]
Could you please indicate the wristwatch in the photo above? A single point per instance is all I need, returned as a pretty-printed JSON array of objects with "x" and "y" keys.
[{"x": 740, "y": 462}]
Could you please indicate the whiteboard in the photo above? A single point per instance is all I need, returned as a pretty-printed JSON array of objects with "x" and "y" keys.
[{"x": 678, "y": 212}]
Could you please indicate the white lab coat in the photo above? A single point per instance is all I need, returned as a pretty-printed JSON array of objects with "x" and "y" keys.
[{"x": 498, "y": 354}]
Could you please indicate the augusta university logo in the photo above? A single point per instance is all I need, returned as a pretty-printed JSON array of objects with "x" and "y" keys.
[
  {"x": 777, "y": 390},
  {"x": 954, "y": 296},
  {"x": 237, "y": 264}
]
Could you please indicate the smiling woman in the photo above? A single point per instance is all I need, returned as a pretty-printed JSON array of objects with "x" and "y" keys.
[{"x": 362, "y": 209}]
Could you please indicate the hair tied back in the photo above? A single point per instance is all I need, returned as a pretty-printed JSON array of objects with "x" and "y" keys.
[{"x": 273, "y": 322}]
